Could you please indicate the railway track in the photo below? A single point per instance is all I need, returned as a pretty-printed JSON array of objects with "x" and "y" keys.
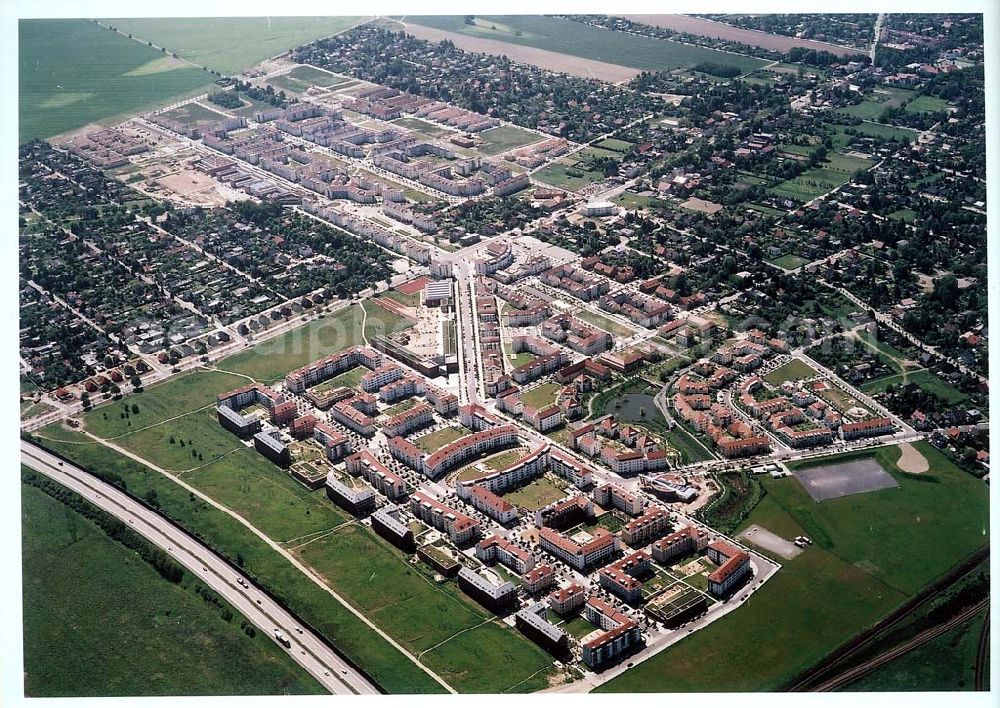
[
  {"x": 982, "y": 658},
  {"x": 815, "y": 675},
  {"x": 927, "y": 635}
]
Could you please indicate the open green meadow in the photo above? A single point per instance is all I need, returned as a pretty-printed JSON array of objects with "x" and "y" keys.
[
  {"x": 926, "y": 380},
  {"x": 180, "y": 395},
  {"x": 926, "y": 104},
  {"x": 792, "y": 371},
  {"x": 302, "y": 77},
  {"x": 577, "y": 39},
  {"x": 504, "y": 138},
  {"x": 422, "y": 126},
  {"x": 871, "y": 552},
  {"x": 231, "y": 44},
  {"x": 567, "y": 174},
  {"x": 835, "y": 171},
  {"x": 231, "y": 539},
  {"x": 91, "y": 602},
  {"x": 72, "y": 73},
  {"x": 451, "y": 632},
  {"x": 272, "y": 359},
  {"x": 194, "y": 114},
  {"x": 945, "y": 663},
  {"x": 382, "y": 321},
  {"x": 883, "y": 131},
  {"x": 789, "y": 261}
]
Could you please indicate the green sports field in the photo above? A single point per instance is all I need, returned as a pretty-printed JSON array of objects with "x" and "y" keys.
[
  {"x": 91, "y": 602},
  {"x": 73, "y": 73},
  {"x": 577, "y": 39},
  {"x": 871, "y": 551},
  {"x": 231, "y": 44}
]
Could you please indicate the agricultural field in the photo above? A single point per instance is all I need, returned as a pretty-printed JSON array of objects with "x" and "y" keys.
[
  {"x": 231, "y": 44},
  {"x": 450, "y": 631},
  {"x": 75, "y": 577},
  {"x": 58, "y": 94},
  {"x": 869, "y": 556},
  {"x": 883, "y": 131},
  {"x": 504, "y": 138},
  {"x": 577, "y": 39},
  {"x": 228, "y": 537}
]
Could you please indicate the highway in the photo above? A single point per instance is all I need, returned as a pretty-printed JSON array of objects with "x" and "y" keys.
[{"x": 305, "y": 647}]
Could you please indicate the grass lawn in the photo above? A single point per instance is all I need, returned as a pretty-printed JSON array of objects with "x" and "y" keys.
[
  {"x": 201, "y": 435},
  {"x": 536, "y": 494},
  {"x": 72, "y": 73},
  {"x": 689, "y": 447},
  {"x": 422, "y": 126},
  {"x": 558, "y": 175},
  {"x": 266, "y": 496},
  {"x": 866, "y": 110},
  {"x": 887, "y": 353},
  {"x": 945, "y": 663},
  {"x": 351, "y": 377},
  {"x": 302, "y": 77},
  {"x": 76, "y": 616},
  {"x": 540, "y": 396},
  {"x": 883, "y": 131},
  {"x": 272, "y": 359},
  {"x": 411, "y": 300},
  {"x": 439, "y": 438},
  {"x": 789, "y": 261},
  {"x": 506, "y": 458},
  {"x": 231, "y": 44},
  {"x": 178, "y": 395},
  {"x": 504, "y": 138},
  {"x": 631, "y": 200},
  {"x": 841, "y": 399},
  {"x": 871, "y": 552},
  {"x": 421, "y": 614},
  {"x": 926, "y": 104},
  {"x": 578, "y": 627},
  {"x": 905, "y": 536},
  {"x": 615, "y": 144},
  {"x": 381, "y": 321},
  {"x": 905, "y": 215},
  {"x": 927, "y": 380},
  {"x": 835, "y": 171},
  {"x": 228, "y": 537},
  {"x": 30, "y": 410},
  {"x": 401, "y": 407},
  {"x": 602, "y": 322},
  {"x": 577, "y": 39},
  {"x": 792, "y": 371}
]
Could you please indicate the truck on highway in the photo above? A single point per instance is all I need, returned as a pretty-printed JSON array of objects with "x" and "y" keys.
[{"x": 282, "y": 639}]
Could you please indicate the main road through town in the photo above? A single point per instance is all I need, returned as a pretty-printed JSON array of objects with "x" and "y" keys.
[{"x": 305, "y": 647}]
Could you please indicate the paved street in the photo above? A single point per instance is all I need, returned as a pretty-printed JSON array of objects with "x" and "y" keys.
[{"x": 307, "y": 649}]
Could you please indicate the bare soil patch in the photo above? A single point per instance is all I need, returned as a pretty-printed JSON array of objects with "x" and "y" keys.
[
  {"x": 912, "y": 460},
  {"x": 754, "y": 38},
  {"x": 577, "y": 66}
]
